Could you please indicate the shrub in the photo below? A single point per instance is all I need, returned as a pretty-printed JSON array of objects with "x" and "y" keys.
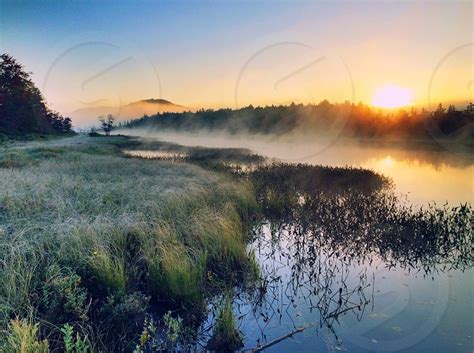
[
  {"x": 22, "y": 338},
  {"x": 74, "y": 344},
  {"x": 62, "y": 298}
]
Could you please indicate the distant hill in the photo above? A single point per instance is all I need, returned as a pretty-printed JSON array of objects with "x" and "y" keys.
[
  {"x": 155, "y": 101},
  {"x": 129, "y": 111},
  {"x": 151, "y": 106}
]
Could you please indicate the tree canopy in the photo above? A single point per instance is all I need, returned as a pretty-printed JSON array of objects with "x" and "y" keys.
[
  {"x": 349, "y": 119},
  {"x": 22, "y": 106}
]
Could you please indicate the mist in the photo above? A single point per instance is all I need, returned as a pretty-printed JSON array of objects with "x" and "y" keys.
[
  {"x": 409, "y": 167},
  {"x": 303, "y": 148}
]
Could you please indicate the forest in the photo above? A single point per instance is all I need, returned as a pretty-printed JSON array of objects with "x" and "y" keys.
[
  {"x": 23, "y": 110},
  {"x": 347, "y": 119}
]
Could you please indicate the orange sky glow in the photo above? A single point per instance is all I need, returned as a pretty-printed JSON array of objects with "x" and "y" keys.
[{"x": 250, "y": 55}]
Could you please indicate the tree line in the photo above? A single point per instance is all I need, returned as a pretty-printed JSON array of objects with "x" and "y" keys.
[
  {"x": 358, "y": 120},
  {"x": 23, "y": 109}
]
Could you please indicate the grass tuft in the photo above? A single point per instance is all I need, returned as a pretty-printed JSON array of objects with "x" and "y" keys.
[{"x": 226, "y": 337}]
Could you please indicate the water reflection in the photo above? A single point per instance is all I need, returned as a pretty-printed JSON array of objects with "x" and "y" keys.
[
  {"x": 424, "y": 173},
  {"x": 425, "y": 182},
  {"x": 163, "y": 155},
  {"x": 346, "y": 267}
]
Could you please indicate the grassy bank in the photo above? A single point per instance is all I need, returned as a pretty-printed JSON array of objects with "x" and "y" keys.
[
  {"x": 93, "y": 239},
  {"x": 346, "y": 207},
  {"x": 104, "y": 252}
]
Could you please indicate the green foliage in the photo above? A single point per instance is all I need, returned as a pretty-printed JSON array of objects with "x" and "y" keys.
[
  {"x": 22, "y": 337},
  {"x": 62, "y": 297},
  {"x": 162, "y": 338},
  {"x": 147, "y": 337},
  {"x": 74, "y": 344},
  {"x": 123, "y": 315},
  {"x": 173, "y": 326},
  {"x": 226, "y": 336}
]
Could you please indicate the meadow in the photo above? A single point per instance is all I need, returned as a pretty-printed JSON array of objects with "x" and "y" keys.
[{"x": 92, "y": 239}]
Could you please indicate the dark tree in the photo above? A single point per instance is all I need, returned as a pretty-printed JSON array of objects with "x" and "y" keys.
[
  {"x": 107, "y": 123},
  {"x": 22, "y": 107}
]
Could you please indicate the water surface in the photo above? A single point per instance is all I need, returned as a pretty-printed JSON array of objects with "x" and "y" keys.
[
  {"x": 424, "y": 175},
  {"x": 363, "y": 269}
]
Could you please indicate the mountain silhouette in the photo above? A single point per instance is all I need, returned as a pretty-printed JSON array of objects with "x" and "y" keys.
[{"x": 88, "y": 116}]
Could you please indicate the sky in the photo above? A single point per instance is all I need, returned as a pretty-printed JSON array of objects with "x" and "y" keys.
[{"x": 235, "y": 53}]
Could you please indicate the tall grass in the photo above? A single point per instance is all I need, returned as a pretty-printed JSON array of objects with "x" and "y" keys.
[{"x": 120, "y": 225}]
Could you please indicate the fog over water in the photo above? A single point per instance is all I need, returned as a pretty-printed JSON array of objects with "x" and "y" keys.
[
  {"x": 422, "y": 175},
  {"x": 343, "y": 269}
]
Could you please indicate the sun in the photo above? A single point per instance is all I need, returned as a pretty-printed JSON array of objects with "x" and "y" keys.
[{"x": 392, "y": 97}]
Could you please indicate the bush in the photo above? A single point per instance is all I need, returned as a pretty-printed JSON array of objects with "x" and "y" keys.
[
  {"x": 22, "y": 338},
  {"x": 62, "y": 297}
]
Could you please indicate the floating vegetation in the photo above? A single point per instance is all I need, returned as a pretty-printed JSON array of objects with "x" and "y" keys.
[
  {"x": 323, "y": 234},
  {"x": 356, "y": 213},
  {"x": 217, "y": 158}
]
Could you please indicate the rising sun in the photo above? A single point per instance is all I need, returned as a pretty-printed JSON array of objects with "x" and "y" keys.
[{"x": 392, "y": 97}]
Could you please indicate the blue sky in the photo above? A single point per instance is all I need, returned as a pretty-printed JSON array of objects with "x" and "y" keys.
[{"x": 198, "y": 50}]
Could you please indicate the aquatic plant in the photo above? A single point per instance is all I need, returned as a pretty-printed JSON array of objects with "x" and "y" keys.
[
  {"x": 316, "y": 228},
  {"x": 342, "y": 208},
  {"x": 226, "y": 337},
  {"x": 137, "y": 236}
]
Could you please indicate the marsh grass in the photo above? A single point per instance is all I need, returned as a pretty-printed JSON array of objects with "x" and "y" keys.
[
  {"x": 96, "y": 240},
  {"x": 119, "y": 226},
  {"x": 327, "y": 219},
  {"x": 343, "y": 208},
  {"x": 207, "y": 156},
  {"x": 226, "y": 336}
]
